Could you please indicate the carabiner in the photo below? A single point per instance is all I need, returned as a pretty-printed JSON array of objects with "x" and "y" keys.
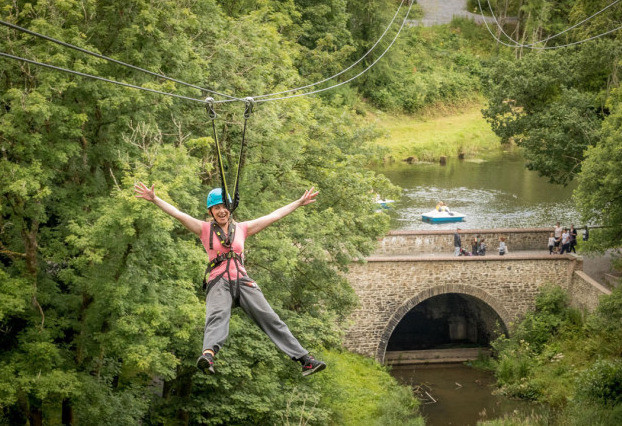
[
  {"x": 250, "y": 104},
  {"x": 209, "y": 105}
]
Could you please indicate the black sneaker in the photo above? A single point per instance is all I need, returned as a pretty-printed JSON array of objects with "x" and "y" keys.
[
  {"x": 205, "y": 363},
  {"x": 310, "y": 365}
]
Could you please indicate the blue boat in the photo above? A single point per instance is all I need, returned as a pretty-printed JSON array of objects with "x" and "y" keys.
[
  {"x": 442, "y": 217},
  {"x": 384, "y": 204}
]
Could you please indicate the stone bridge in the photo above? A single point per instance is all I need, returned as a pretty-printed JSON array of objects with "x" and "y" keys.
[{"x": 413, "y": 289}]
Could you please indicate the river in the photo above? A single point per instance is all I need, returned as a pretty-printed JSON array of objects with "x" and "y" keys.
[
  {"x": 455, "y": 394},
  {"x": 495, "y": 192}
]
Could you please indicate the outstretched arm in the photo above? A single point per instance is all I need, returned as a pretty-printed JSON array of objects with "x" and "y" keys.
[
  {"x": 256, "y": 225},
  {"x": 142, "y": 191}
]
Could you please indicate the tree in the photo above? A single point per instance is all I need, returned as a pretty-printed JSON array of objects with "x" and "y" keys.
[
  {"x": 101, "y": 312},
  {"x": 600, "y": 182},
  {"x": 552, "y": 105}
]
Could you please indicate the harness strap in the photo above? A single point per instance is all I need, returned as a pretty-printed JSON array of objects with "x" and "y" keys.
[
  {"x": 249, "y": 105},
  {"x": 226, "y": 240}
]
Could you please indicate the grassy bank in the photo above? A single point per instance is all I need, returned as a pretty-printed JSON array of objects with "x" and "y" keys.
[
  {"x": 359, "y": 391},
  {"x": 436, "y": 132}
]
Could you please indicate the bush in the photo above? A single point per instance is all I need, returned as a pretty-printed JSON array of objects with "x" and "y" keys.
[
  {"x": 552, "y": 316},
  {"x": 358, "y": 390},
  {"x": 602, "y": 383}
]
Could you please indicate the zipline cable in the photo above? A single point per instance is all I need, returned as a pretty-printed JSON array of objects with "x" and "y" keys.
[
  {"x": 550, "y": 37},
  {"x": 350, "y": 79},
  {"x": 54, "y": 67},
  {"x": 543, "y": 47},
  {"x": 203, "y": 101},
  {"x": 344, "y": 70},
  {"x": 97, "y": 55}
]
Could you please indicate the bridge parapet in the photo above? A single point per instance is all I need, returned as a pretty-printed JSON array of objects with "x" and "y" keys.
[{"x": 441, "y": 241}]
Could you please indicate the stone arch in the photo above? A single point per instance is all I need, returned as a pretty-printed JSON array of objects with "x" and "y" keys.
[{"x": 431, "y": 292}]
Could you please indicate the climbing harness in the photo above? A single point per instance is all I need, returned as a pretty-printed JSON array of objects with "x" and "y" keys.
[
  {"x": 226, "y": 240},
  {"x": 230, "y": 203}
]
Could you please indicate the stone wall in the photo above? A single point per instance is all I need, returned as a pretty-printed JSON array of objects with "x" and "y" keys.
[
  {"x": 585, "y": 292},
  {"x": 415, "y": 242},
  {"x": 389, "y": 287}
]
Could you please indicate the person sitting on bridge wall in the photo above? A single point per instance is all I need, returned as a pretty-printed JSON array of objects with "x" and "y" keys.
[
  {"x": 482, "y": 247},
  {"x": 475, "y": 245},
  {"x": 503, "y": 249},
  {"x": 551, "y": 243}
]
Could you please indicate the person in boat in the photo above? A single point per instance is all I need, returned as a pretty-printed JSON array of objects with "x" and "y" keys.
[
  {"x": 229, "y": 284},
  {"x": 442, "y": 207}
]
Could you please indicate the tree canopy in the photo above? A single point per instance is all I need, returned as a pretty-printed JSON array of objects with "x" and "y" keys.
[
  {"x": 101, "y": 310},
  {"x": 561, "y": 105}
]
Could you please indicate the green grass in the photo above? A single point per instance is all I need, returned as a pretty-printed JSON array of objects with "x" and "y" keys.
[
  {"x": 359, "y": 391},
  {"x": 436, "y": 133}
]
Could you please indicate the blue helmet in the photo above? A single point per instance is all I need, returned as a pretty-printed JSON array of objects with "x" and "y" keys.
[{"x": 215, "y": 197}]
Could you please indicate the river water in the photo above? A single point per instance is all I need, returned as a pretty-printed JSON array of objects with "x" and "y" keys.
[
  {"x": 495, "y": 192},
  {"x": 458, "y": 395}
]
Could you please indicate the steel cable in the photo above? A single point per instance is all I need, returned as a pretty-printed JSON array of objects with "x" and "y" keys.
[
  {"x": 344, "y": 70},
  {"x": 54, "y": 67},
  {"x": 532, "y": 45},
  {"x": 352, "y": 78},
  {"x": 97, "y": 55}
]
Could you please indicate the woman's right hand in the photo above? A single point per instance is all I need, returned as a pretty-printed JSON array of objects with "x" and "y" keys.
[{"x": 143, "y": 191}]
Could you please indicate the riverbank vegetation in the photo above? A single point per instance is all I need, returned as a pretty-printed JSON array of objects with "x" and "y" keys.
[
  {"x": 569, "y": 361},
  {"x": 434, "y": 134}
]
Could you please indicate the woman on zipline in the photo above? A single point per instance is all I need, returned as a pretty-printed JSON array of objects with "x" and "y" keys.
[{"x": 229, "y": 285}]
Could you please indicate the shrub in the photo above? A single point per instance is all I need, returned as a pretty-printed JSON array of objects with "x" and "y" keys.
[{"x": 602, "y": 383}]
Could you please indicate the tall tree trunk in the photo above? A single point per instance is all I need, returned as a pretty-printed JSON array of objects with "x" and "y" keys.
[
  {"x": 184, "y": 389},
  {"x": 67, "y": 412},
  {"x": 29, "y": 237}
]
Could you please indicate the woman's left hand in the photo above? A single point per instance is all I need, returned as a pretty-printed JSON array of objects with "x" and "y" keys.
[{"x": 308, "y": 197}]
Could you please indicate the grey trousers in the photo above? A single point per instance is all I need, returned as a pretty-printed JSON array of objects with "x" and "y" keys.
[{"x": 218, "y": 312}]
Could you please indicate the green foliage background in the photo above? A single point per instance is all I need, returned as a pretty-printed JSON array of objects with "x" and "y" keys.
[
  {"x": 101, "y": 310},
  {"x": 561, "y": 106}
]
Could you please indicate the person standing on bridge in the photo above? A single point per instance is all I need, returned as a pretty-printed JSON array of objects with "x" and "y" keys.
[
  {"x": 229, "y": 285},
  {"x": 557, "y": 232},
  {"x": 457, "y": 242},
  {"x": 565, "y": 241}
]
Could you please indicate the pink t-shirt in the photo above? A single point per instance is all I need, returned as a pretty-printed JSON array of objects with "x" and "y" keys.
[{"x": 218, "y": 248}]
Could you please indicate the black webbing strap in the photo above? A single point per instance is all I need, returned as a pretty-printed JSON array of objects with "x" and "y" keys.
[
  {"x": 249, "y": 105},
  {"x": 226, "y": 240}
]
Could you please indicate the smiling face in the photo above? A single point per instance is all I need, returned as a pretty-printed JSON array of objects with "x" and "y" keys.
[{"x": 220, "y": 214}]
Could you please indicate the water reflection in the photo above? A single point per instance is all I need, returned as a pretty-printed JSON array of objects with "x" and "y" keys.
[{"x": 498, "y": 192}]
